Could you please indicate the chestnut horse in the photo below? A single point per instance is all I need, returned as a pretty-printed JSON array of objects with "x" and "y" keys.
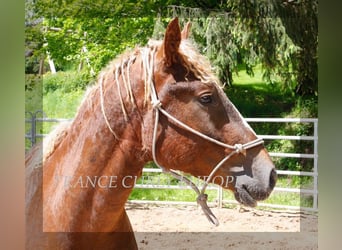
[{"x": 160, "y": 102}]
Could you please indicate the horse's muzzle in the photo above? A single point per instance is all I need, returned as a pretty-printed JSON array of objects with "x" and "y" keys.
[{"x": 249, "y": 190}]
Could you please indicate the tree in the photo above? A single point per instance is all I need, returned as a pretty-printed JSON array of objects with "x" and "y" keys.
[
  {"x": 72, "y": 30},
  {"x": 300, "y": 21},
  {"x": 281, "y": 35}
]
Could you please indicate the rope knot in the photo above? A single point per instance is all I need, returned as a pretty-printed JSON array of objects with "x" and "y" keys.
[
  {"x": 156, "y": 104},
  {"x": 239, "y": 148},
  {"x": 202, "y": 201}
]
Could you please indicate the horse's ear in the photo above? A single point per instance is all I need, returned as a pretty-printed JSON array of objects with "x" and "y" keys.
[
  {"x": 186, "y": 30},
  {"x": 171, "y": 42}
]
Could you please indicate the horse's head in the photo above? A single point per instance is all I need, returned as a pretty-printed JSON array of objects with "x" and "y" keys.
[{"x": 189, "y": 92}]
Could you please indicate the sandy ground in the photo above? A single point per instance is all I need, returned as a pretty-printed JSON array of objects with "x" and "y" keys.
[{"x": 186, "y": 227}]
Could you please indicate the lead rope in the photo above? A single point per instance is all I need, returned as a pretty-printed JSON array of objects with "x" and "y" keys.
[{"x": 201, "y": 196}]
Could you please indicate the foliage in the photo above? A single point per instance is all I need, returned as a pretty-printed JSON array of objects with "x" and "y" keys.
[
  {"x": 33, "y": 39},
  {"x": 255, "y": 98},
  {"x": 306, "y": 108},
  {"x": 33, "y": 93},
  {"x": 58, "y": 95},
  {"x": 78, "y": 33},
  {"x": 66, "y": 82},
  {"x": 281, "y": 35},
  {"x": 67, "y": 86},
  {"x": 92, "y": 42},
  {"x": 300, "y": 21},
  {"x": 55, "y": 108}
]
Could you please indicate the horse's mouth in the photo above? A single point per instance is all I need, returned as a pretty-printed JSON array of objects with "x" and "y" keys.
[
  {"x": 248, "y": 190},
  {"x": 248, "y": 198},
  {"x": 244, "y": 197}
]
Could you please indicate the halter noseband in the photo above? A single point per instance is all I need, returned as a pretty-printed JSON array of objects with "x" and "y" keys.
[{"x": 237, "y": 148}]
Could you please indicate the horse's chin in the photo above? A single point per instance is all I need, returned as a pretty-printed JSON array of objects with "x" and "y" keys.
[
  {"x": 250, "y": 190},
  {"x": 243, "y": 196}
]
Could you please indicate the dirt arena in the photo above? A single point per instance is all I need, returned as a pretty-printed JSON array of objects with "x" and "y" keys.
[{"x": 186, "y": 227}]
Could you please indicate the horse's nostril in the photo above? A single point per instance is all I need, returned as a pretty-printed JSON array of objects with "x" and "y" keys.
[{"x": 273, "y": 178}]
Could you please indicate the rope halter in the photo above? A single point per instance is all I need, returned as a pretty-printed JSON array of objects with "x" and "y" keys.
[
  {"x": 236, "y": 149},
  {"x": 148, "y": 62}
]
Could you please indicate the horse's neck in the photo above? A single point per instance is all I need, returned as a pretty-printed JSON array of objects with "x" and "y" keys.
[{"x": 89, "y": 177}]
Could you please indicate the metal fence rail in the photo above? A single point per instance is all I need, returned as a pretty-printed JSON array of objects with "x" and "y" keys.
[
  {"x": 313, "y": 156},
  {"x": 32, "y": 135},
  {"x": 33, "y": 119}
]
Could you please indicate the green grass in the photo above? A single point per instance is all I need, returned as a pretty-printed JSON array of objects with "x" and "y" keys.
[
  {"x": 280, "y": 198},
  {"x": 242, "y": 77},
  {"x": 253, "y": 97},
  {"x": 168, "y": 195},
  {"x": 57, "y": 104}
]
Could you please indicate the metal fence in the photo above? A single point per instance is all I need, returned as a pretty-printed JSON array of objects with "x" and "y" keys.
[
  {"x": 33, "y": 119},
  {"x": 32, "y": 135}
]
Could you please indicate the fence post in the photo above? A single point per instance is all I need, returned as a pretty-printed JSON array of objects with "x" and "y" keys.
[
  {"x": 220, "y": 196},
  {"x": 315, "y": 197},
  {"x": 33, "y": 121},
  {"x": 32, "y": 131}
]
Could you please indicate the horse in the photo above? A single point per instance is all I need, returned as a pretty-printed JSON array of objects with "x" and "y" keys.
[{"x": 161, "y": 103}]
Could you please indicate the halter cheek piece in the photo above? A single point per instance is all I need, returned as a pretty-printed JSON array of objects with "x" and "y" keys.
[{"x": 236, "y": 149}]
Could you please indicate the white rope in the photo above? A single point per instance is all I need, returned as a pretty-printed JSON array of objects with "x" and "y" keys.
[
  {"x": 131, "y": 60},
  {"x": 238, "y": 147},
  {"x": 119, "y": 92},
  {"x": 103, "y": 109}
]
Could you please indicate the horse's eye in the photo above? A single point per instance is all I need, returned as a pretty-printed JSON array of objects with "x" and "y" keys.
[{"x": 205, "y": 99}]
